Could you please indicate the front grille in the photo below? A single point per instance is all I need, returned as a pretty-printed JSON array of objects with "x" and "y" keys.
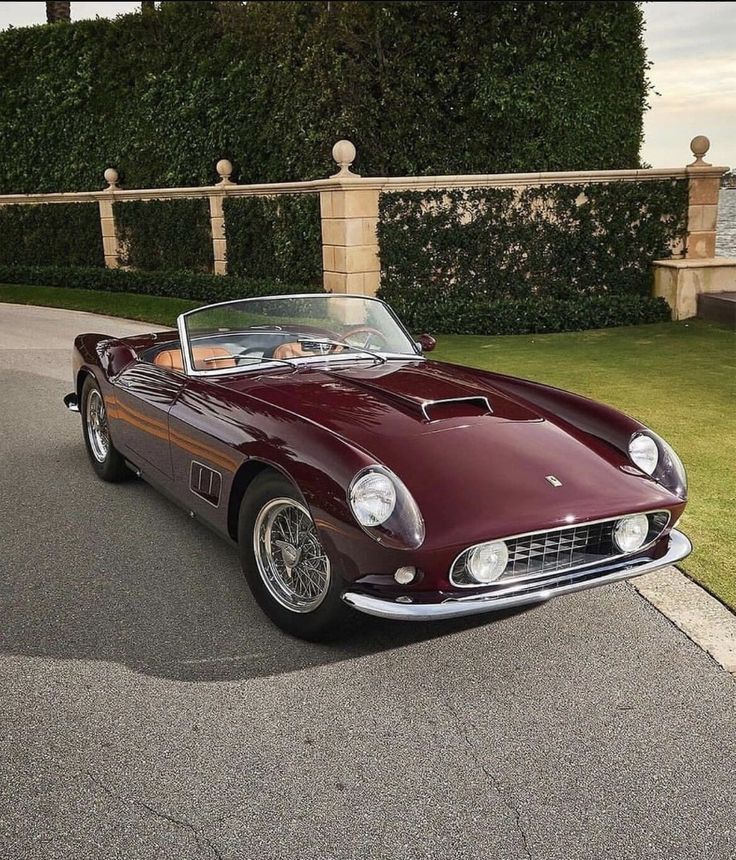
[
  {"x": 549, "y": 552},
  {"x": 543, "y": 553}
]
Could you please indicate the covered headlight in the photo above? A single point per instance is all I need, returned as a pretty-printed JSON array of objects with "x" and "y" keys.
[
  {"x": 385, "y": 508},
  {"x": 486, "y": 562},
  {"x": 655, "y": 457},
  {"x": 644, "y": 452},
  {"x": 373, "y": 498},
  {"x": 630, "y": 533}
]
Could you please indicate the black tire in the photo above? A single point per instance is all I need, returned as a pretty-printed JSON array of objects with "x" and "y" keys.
[
  {"x": 329, "y": 620},
  {"x": 110, "y": 467}
]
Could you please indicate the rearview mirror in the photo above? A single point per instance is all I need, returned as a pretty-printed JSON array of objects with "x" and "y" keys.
[{"x": 426, "y": 342}]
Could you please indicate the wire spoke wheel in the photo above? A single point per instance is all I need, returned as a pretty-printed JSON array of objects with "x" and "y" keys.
[
  {"x": 291, "y": 560},
  {"x": 97, "y": 429}
]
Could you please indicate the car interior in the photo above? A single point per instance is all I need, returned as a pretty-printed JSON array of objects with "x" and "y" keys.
[{"x": 233, "y": 349}]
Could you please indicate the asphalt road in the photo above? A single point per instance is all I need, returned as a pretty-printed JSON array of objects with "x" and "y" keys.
[{"x": 148, "y": 709}]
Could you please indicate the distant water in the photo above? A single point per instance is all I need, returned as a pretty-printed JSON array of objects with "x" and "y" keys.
[{"x": 726, "y": 236}]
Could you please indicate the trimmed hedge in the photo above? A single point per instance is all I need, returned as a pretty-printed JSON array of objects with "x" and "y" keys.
[
  {"x": 447, "y": 313},
  {"x": 180, "y": 285},
  {"x": 420, "y": 88},
  {"x": 274, "y": 237},
  {"x": 441, "y": 312},
  {"x": 158, "y": 235},
  {"x": 68, "y": 233},
  {"x": 493, "y": 261}
]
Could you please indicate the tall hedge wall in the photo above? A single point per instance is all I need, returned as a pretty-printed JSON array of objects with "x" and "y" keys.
[
  {"x": 156, "y": 235},
  {"x": 491, "y": 261},
  {"x": 420, "y": 87},
  {"x": 274, "y": 237},
  {"x": 67, "y": 233}
]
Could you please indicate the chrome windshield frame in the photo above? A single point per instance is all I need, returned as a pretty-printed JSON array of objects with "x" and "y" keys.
[{"x": 189, "y": 369}]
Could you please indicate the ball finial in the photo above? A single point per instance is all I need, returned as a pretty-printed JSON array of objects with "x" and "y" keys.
[
  {"x": 111, "y": 177},
  {"x": 699, "y": 145},
  {"x": 225, "y": 170},
  {"x": 343, "y": 152}
]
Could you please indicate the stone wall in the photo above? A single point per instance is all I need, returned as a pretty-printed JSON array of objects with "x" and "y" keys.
[{"x": 349, "y": 215}]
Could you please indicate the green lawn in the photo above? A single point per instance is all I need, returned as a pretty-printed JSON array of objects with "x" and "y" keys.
[
  {"x": 678, "y": 378},
  {"x": 153, "y": 309}
]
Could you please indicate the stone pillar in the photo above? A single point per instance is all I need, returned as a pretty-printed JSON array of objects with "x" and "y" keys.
[
  {"x": 349, "y": 214},
  {"x": 704, "y": 187},
  {"x": 681, "y": 281},
  {"x": 110, "y": 246},
  {"x": 217, "y": 218}
]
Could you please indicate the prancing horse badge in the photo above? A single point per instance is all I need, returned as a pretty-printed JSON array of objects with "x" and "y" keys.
[{"x": 556, "y": 482}]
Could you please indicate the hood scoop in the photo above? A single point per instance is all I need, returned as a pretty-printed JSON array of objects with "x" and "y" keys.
[
  {"x": 425, "y": 392},
  {"x": 454, "y": 407}
]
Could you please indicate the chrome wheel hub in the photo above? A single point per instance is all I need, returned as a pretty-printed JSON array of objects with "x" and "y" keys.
[
  {"x": 97, "y": 429},
  {"x": 291, "y": 560}
]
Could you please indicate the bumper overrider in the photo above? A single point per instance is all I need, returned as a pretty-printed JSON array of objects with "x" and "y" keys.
[{"x": 520, "y": 593}]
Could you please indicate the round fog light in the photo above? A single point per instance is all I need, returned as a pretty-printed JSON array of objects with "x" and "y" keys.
[
  {"x": 405, "y": 575},
  {"x": 488, "y": 561},
  {"x": 630, "y": 533}
]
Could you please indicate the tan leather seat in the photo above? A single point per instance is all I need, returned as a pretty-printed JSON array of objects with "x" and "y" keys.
[
  {"x": 173, "y": 359},
  {"x": 290, "y": 350},
  {"x": 294, "y": 349}
]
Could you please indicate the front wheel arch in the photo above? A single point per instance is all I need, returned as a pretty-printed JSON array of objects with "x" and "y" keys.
[{"x": 244, "y": 477}]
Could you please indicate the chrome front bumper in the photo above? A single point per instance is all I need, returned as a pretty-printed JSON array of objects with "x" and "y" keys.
[{"x": 521, "y": 593}]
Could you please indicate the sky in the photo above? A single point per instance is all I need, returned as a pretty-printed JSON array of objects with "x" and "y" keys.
[{"x": 692, "y": 46}]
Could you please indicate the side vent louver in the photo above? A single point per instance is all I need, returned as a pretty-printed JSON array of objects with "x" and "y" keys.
[{"x": 205, "y": 483}]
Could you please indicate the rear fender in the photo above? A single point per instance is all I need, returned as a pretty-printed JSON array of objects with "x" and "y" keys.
[
  {"x": 102, "y": 357},
  {"x": 100, "y": 350}
]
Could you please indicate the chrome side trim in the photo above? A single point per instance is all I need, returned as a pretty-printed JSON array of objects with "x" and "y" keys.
[
  {"x": 428, "y": 404},
  {"x": 578, "y": 524},
  {"x": 526, "y": 593}
]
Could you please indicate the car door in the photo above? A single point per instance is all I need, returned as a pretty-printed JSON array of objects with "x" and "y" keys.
[
  {"x": 144, "y": 395},
  {"x": 206, "y": 431}
]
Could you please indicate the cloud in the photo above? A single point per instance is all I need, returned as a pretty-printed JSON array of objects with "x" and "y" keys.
[
  {"x": 691, "y": 46},
  {"x": 709, "y": 83}
]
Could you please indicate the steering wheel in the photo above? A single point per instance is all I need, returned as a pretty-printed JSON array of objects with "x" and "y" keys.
[
  {"x": 246, "y": 353},
  {"x": 364, "y": 335}
]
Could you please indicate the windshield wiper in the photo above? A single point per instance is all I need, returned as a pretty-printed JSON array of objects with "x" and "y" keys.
[
  {"x": 323, "y": 341},
  {"x": 256, "y": 359}
]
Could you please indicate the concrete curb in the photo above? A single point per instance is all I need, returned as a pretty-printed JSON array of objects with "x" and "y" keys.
[{"x": 690, "y": 608}]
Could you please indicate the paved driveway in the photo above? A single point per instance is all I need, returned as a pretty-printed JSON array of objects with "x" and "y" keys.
[{"x": 148, "y": 710}]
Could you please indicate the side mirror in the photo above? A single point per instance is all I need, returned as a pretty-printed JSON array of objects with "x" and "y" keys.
[{"x": 426, "y": 342}]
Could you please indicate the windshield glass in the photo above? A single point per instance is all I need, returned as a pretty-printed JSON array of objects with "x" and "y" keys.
[{"x": 242, "y": 334}]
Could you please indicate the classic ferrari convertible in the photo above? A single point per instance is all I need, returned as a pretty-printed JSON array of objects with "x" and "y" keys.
[{"x": 355, "y": 474}]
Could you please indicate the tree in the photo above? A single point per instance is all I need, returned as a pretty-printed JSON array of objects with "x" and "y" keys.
[
  {"x": 148, "y": 6},
  {"x": 58, "y": 11}
]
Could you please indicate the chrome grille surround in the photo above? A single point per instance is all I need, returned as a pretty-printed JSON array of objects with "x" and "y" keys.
[{"x": 534, "y": 555}]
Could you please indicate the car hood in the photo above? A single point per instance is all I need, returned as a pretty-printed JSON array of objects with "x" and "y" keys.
[{"x": 476, "y": 457}]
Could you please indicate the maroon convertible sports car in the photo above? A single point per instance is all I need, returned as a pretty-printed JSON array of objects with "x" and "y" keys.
[{"x": 354, "y": 474}]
